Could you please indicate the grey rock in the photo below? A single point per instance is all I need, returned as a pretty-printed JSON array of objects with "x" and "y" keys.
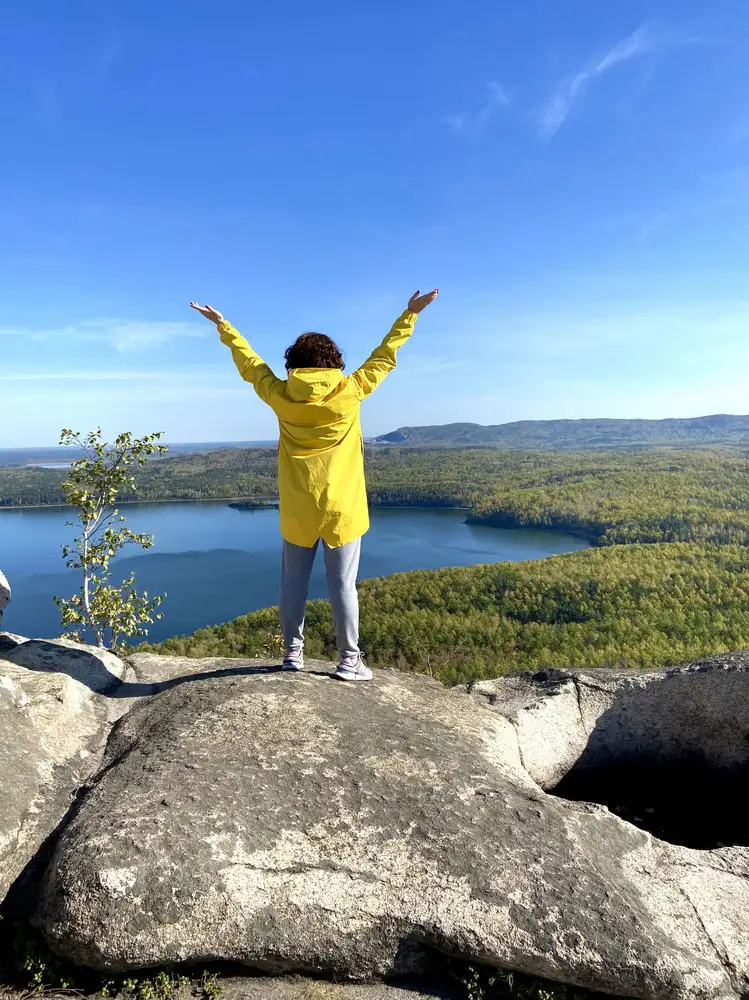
[
  {"x": 150, "y": 674},
  {"x": 53, "y": 728},
  {"x": 301, "y": 988},
  {"x": 4, "y": 594},
  {"x": 278, "y": 988},
  {"x": 163, "y": 672},
  {"x": 292, "y": 823},
  {"x": 93, "y": 668},
  {"x": 594, "y": 718}
]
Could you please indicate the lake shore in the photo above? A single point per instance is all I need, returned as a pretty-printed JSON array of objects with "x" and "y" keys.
[
  {"x": 263, "y": 503},
  {"x": 216, "y": 564},
  {"x": 508, "y": 524},
  {"x": 131, "y": 503}
]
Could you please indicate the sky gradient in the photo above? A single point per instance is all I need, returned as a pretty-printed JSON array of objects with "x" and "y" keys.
[{"x": 574, "y": 176}]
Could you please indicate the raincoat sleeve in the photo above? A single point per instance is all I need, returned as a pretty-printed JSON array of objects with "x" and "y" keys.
[
  {"x": 382, "y": 360},
  {"x": 250, "y": 365}
]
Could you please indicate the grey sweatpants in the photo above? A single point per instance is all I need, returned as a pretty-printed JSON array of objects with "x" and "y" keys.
[{"x": 341, "y": 567}]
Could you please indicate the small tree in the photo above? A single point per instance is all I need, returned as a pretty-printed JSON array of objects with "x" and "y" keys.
[{"x": 93, "y": 486}]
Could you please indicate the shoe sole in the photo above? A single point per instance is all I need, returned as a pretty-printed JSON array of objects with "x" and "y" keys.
[
  {"x": 291, "y": 668},
  {"x": 343, "y": 675}
]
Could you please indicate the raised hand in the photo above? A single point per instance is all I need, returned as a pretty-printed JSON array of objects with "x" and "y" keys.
[
  {"x": 209, "y": 312},
  {"x": 418, "y": 302}
]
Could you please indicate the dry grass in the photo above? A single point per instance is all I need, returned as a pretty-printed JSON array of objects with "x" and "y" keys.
[{"x": 320, "y": 991}]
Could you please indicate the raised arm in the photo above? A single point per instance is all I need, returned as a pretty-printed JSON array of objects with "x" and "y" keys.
[
  {"x": 249, "y": 364},
  {"x": 382, "y": 360}
]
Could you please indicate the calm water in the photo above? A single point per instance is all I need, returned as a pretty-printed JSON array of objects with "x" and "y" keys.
[{"x": 215, "y": 563}]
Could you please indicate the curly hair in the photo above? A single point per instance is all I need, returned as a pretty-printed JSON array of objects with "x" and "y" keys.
[{"x": 314, "y": 350}]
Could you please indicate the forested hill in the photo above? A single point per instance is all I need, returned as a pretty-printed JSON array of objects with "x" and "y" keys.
[{"x": 578, "y": 435}]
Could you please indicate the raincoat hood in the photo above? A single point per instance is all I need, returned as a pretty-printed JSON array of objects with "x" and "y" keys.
[{"x": 310, "y": 385}]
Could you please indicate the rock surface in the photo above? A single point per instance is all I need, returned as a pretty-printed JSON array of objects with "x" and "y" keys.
[
  {"x": 53, "y": 728},
  {"x": 4, "y": 594},
  {"x": 299, "y": 988},
  {"x": 280, "y": 988},
  {"x": 293, "y": 823},
  {"x": 668, "y": 749},
  {"x": 593, "y": 718}
]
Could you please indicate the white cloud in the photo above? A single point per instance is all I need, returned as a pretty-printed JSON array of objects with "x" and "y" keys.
[
  {"x": 420, "y": 364},
  {"x": 690, "y": 335},
  {"x": 554, "y": 113},
  {"x": 456, "y": 122},
  {"x": 121, "y": 334},
  {"x": 467, "y": 121},
  {"x": 92, "y": 375},
  {"x": 184, "y": 410}
]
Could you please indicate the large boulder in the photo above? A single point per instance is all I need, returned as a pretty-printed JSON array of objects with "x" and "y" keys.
[
  {"x": 4, "y": 594},
  {"x": 667, "y": 748},
  {"x": 53, "y": 727},
  {"x": 293, "y": 823}
]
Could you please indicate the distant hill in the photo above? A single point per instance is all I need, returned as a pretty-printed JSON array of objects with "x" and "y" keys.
[
  {"x": 578, "y": 435},
  {"x": 56, "y": 455}
]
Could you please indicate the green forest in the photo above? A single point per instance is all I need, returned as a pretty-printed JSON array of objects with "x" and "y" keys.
[
  {"x": 667, "y": 578},
  {"x": 248, "y": 472},
  {"x": 579, "y": 435},
  {"x": 622, "y": 606},
  {"x": 610, "y": 497}
]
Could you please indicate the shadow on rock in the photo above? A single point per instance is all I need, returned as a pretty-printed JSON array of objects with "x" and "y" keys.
[{"x": 108, "y": 675}]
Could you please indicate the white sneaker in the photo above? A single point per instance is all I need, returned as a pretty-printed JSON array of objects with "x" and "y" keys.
[
  {"x": 352, "y": 668},
  {"x": 293, "y": 660}
]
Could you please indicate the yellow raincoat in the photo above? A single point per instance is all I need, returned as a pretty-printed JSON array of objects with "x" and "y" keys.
[{"x": 321, "y": 449}]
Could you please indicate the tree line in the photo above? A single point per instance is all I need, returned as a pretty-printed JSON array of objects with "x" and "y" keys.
[
  {"x": 667, "y": 580},
  {"x": 611, "y": 497},
  {"x": 618, "y": 606}
]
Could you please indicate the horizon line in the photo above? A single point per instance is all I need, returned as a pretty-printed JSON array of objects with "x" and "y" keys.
[{"x": 266, "y": 442}]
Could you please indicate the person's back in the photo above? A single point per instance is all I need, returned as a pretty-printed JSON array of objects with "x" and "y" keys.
[{"x": 320, "y": 469}]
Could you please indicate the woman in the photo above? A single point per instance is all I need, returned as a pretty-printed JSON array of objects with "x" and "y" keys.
[{"x": 320, "y": 470}]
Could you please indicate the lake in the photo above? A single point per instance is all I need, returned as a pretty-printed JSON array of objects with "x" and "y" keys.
[{"x": 215, "y": 562}]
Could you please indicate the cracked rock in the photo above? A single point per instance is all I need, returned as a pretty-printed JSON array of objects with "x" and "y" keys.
[{"x": 296, "y": 824}]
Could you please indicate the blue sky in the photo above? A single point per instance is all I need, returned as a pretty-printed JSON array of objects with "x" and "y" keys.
[{"x": 574, "y": 175}]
